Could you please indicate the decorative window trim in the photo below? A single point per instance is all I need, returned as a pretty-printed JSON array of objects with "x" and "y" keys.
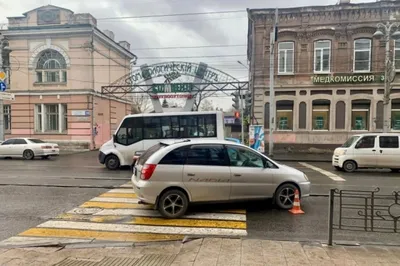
[
  {"x": 35, "y": 55},
  {"x": 40, "y": 119}
]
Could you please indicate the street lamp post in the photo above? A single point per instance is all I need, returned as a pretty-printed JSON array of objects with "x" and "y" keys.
[{"x": 388, "y": 32}]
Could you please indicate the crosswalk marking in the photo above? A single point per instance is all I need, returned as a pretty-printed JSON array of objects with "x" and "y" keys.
[
  {"x": 141, "y": 228},
  {"x": 117, "y": 216},
  {"x": 118, "y": 195},
  {"x": 101, "y": 235},
  {"x": 324, "y": 172},
  {"x": 153, "y": 221},
  {"x": 115, "y": 200}
]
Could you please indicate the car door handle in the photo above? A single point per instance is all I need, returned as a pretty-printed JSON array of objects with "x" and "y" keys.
[
  {"x": 190, "y": 174},
  {"x": 237, "y": 175},
  {"x": 373, "y": 150},
  {"x": 381, "y": 151}
]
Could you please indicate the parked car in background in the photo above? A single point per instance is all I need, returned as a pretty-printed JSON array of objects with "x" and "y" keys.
[
  {"x": 370, "y": 150},
  {"x": 171, "y": 176},
  {"x": 28, "y": 148}
]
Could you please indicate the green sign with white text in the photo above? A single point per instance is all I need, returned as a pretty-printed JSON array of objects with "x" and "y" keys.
[
  {"x": 343, "y": 79},
  {"x": 172, "y": 88}
]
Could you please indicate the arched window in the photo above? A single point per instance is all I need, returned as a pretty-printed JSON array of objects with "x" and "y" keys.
[{"x": 51, "y": 67}]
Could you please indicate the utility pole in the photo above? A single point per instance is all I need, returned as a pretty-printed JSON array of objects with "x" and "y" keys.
[
  {"x": 1, "y": 100},
  {"x": 273, "y": 39},
  {"x": 388, "y": 32}
]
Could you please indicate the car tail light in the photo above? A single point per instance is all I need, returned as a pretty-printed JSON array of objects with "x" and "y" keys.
[
  {"x": 147, "y": 171},
  {"x": 46, "y": 147},
  {"x": 56, "y": 147}
]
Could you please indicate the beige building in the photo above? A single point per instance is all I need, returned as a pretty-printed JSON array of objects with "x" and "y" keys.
[
  {"x": 59, "y": 61},
  {"x": 328, "y": 71}
]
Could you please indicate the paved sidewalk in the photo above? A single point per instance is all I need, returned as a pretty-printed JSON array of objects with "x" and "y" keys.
[{"x": 208, "y": 251}]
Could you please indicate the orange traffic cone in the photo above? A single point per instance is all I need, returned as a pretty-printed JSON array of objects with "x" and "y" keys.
[{"x": 296, "y": 209}]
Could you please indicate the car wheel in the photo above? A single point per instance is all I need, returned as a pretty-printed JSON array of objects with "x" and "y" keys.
[
  {"x": 173, "y": 204},
  {"x": 284, "y": 196},
  {"x": 395, "y": 170},
  {"x": 349, "y": 166},
  {"x": 28, "y": 155},
  {"x": 112, "y": 162}
]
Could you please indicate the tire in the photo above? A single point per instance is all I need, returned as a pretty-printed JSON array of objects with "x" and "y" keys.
[
  {"x": 112, "y": 162},
  {"x": 284, "y": 196},
  {"x": 338, "y": 168},
  {"x": 395, "y": 170},
  {"x": 349, "y": 166},
  {"x": 28, "y": 155},
  {"x": 170, "y": 200}
]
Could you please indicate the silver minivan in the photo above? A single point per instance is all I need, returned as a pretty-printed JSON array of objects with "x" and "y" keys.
[{"x": 172, "y": 175}]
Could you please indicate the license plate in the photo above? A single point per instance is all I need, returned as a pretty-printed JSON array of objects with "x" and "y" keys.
[{"x": 53, "y": 150}]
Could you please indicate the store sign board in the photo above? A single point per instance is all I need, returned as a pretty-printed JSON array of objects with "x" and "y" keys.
[{"x": 346, "y": 79}]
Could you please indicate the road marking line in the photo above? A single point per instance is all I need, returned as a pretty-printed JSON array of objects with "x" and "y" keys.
[
  {"x": 115, "y": 205},
  {"x": 142, "y": 228},
  {"x": 154, "y": 213},
  {"x": 20, "y": 240},
  {"x": 116, "y": 236},
  {"x": 126, "y": 186},
  {"x": 324, "y": 172},
  {"x": 153, "y": 221},
  {"x": 122, "y": 190},
  {"x": 119, "y": 195},
  {"x": 119, "y": 200}
]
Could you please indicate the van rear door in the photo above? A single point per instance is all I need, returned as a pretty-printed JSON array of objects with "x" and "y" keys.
[{"x": 388, "y": 153}]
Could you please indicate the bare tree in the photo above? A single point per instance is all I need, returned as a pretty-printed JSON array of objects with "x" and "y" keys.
[
  {"x": 200, "y": 97},
  {"x": 206, "y": 105},
  {"x": 141, "y": 103}
]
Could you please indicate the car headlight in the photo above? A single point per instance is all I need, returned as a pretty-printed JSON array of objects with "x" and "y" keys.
[
  {"x": 340, "y": 152},
  {"x": 305, "y": 177}
]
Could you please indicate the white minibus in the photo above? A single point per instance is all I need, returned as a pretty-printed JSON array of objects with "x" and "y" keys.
[
  {"x": 372, "y": 150},
  {"x": 137, "y": 133}
]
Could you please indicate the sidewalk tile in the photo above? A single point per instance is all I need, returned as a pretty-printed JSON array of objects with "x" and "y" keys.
[
  {"x": 172, "y": 248},
  {"x": 344, "y": 262},
  {"x": 188, "y": 253},
  {"x": 252, "y": 251},
  {"x": 315, "y": 253},
  {"x": 294, "y": 253},
  {"x": 209, "y": 251},
  {"x": 230, "y": 254},
  {"x": 337, "y": 252}
]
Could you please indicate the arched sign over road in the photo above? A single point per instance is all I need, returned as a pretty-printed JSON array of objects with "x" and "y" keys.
[{"x": 146, "y": 76}]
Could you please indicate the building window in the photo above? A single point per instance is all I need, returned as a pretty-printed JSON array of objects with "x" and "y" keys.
[
  {"x": 7, "y": 117},
  {"x": 360, "y": 112},
  {"x": 286, "y": 57},
  {"x": 397, "y": 54},
  {"x": 284, "y": 115},
  {"x": 362, "y": 55},
  {"x": 322, "y": 56},
  {"x": 395, "y": 115},
  {"x": 51, "y": 67},
  {"x": 51, "y": 118},
  {"x": 320, "y": 114}
]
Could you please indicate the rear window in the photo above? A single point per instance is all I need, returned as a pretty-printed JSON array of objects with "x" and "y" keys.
[{"x": 143, "y": 158}]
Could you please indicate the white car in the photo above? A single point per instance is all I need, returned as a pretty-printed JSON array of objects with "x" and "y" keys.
[{"x": 28, "y": 148}]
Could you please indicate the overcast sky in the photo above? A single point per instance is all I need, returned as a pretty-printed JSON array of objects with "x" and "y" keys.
[{"x": 179, "y": 31}]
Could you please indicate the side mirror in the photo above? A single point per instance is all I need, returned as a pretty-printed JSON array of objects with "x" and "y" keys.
[{"x": 114, "y": 138}]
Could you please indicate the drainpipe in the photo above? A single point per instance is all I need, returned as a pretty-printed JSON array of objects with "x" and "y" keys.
[{"x": 93, "y": 89}]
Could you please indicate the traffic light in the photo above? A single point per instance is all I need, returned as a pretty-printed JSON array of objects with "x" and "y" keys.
[
  {"x": 248, "y": 102},
  {"x": 236, "y": 100},
  {"x": 237, "y": 114}
]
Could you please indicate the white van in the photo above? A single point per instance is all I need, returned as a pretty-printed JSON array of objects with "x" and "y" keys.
[
  {"x": 139, "y": 132},
  {"x": 372, "y": 150}
]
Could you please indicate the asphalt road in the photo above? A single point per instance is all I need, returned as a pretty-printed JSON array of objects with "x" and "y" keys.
[{"x": 32, "y": 192}]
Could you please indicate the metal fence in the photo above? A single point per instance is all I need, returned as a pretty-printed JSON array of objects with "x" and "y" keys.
[{"x": 366, "y": 211}]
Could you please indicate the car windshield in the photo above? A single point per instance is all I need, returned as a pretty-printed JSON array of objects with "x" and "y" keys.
[
  {"x": 36, "y": 141},
  {"x": 350, "y": 141},
  {"x": 143, "y": 158}
]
